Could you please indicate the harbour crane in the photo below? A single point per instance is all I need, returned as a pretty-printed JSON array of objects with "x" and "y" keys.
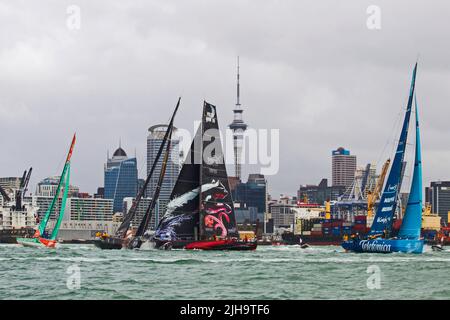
[
  {"x": 372, "y": 197},
  {"x": 20, "y": 193}
]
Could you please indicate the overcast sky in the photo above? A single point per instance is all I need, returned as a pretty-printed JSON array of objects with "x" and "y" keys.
[{"x": 309, "y": 68}]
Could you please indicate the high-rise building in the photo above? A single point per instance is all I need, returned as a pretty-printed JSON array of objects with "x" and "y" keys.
[
  {"x": 154, "y": 140},
  {"x": 121, "y": 178},
  {"x": 238, "y": 126},
  {"x": 438, "y": 195},
  {"x": 343, "y": 167}
]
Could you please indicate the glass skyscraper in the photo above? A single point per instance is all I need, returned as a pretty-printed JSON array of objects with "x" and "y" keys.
[{"x": 121, "y": 178}]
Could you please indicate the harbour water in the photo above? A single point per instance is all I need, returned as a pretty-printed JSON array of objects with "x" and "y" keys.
[{"x": 284, "y": 272}]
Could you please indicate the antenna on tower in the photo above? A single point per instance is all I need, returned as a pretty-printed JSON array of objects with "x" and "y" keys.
[{"x": 238, "y": 85}]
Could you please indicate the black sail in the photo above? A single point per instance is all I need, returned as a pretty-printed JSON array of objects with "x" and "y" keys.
[
  {"x": 180, "y": 220},
  {"x": 217, "y": 217}
]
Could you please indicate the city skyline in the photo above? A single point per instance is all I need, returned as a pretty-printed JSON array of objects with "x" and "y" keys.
[{"x": 56, "y": 81}]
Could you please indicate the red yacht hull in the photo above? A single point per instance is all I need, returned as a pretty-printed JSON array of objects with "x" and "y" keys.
[{"x": 221, "y": 245}]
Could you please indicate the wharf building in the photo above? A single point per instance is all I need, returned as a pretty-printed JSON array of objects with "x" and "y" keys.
[{"x": 120, "y": 178}]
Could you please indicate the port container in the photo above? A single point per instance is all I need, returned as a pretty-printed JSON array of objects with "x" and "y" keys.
[
  {"x": 429, "y": 234},
  {"x": 397, "y": 224},
  {"x": 336, "y": 232},
  {"x": 316, "y": 233},
  {"x": 347, "y": 231},
  {"x": 306, "y": 233},
  {"x": 360, "y": 218},
  {"x": 361, "y": 228},
  {"x": 347, "y": 224},
  {"x": 317, "y": 225}
]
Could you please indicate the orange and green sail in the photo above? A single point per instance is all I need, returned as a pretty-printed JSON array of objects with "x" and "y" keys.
[{"x": 63, "y": 184}]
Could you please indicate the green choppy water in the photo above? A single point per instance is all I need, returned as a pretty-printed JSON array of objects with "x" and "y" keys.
[{"x": 285, "y": 272}]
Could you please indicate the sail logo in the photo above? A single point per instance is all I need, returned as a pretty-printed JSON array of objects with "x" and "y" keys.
[
  {"x": 368, "y": 246},
  {"x": 389, "y": 200},
  {"x": 392, "y": 188},
  {"x": 211, "y": 115},
  {"x": 383, "y": 220},
  {"x": 386, "y": 209}
]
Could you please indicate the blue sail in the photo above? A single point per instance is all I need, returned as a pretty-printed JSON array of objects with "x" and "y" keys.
[
  {"x": 388, "y": 202},
  {"x": 412, "y": 221}
]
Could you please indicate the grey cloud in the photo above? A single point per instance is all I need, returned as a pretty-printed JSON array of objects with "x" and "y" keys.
[{"x": 310, "y": 68}]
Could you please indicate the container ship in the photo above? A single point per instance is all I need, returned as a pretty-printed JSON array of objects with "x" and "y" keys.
[{"x": 323, "y": 231}]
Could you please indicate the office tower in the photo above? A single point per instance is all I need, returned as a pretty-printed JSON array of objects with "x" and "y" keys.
[
  {"x": 343, "y": 167},
  {"x": 121, "y": 178}
]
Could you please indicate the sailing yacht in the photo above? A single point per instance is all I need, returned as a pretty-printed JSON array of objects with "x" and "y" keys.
[
  {"x": 40, "y": 238},
  {"x": 408, "y": 239},
  {"x": 200, "y": 213}
]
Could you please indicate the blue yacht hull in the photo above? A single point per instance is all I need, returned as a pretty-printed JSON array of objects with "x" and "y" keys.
[{"x": 384, "y": 245}]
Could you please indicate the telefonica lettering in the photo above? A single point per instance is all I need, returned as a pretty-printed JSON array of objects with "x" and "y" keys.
[
  {"x": 386, "y": 209},
  {"x": 375, "y": 247}
]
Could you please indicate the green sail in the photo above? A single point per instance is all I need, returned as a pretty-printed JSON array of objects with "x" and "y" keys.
[
  {"x": 63, "y": 204},
  {"x": 50, "y": 209}
]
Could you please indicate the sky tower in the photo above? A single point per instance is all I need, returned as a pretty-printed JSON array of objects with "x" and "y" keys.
[{"x": 238, "y": 126}]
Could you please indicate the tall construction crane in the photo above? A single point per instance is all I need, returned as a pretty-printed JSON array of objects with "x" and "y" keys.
[{"x": 372, "y": 197}]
